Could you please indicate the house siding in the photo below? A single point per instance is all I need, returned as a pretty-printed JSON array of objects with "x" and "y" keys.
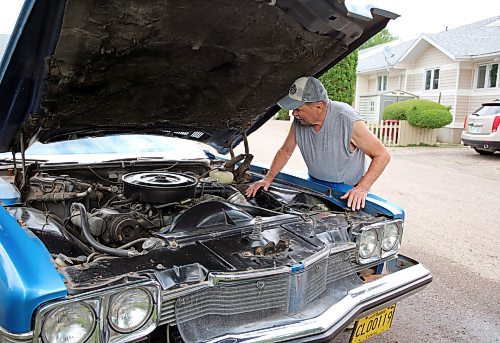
[
  {"x": 431, "y": 58},
  {"x": 372, "y": 84},
  {"x": 448, "y": 79},
  {"x": 462, "y": 108},
  {"x": 466, "y": 78},
  {"x": 415, "y": 82},
  {"x": 393, "y": 82},
  {"x": 448, "y": 100}
]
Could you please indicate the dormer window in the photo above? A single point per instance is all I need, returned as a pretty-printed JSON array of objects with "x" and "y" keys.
[
  {"x": 432, "y": 79},
  {"x": 382, "y": 83}
]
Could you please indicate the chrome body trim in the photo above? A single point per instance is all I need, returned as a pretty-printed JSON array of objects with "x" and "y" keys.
[
  {"x": 384, "y": 291},
  {"x": 7, "y": 337}
]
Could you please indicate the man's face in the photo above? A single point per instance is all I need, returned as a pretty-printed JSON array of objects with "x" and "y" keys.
[{"x": 309, "y": 113}]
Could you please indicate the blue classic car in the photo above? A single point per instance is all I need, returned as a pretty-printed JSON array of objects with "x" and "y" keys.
[{"x": 115, "y": 228}]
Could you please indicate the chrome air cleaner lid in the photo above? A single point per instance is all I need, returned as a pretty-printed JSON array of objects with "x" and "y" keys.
[{"x": 158, "y": 187}]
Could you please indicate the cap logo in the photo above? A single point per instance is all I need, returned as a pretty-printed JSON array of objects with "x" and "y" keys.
[{"x": 293, "y": 89}]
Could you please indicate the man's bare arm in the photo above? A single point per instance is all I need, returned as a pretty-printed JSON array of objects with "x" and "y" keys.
[
  {"x": 365, "y": 140},
  {"x": 280, "y": 159}
]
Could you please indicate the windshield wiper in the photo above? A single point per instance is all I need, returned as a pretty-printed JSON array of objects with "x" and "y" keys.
[
  {"x": 145, "y": 158},
  {"x": 27, "y": 160}
]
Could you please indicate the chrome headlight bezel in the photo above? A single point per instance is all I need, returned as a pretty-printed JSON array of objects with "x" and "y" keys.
[
  {"x": 66, "y": 306},
  {"x": 380, "y": 252},
  {"x": 389, "y": 228},
  {"x": 117, "y": 297},
  {"x": 100, "y": 301}
]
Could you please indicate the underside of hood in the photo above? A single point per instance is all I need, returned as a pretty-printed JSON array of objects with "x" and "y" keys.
[{"x": 206, "y": 70}]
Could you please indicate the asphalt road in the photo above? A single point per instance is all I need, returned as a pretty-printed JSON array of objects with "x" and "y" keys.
[{"x": 451, "y": 196}]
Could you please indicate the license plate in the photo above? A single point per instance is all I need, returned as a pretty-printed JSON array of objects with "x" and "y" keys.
[
  {"x": 474, "y": 129},
  {"x": 373, "y": 324}
]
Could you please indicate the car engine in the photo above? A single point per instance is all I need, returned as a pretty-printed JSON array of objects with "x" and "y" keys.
[{"x": 104, "y": 225}]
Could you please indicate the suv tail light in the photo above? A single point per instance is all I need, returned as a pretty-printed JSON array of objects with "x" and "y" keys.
[
  {"x": 465, "y": 120},
  {"x": 496, "y": 123}
]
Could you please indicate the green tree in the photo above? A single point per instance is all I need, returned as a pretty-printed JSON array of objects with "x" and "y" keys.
[
  {"x": 340, "y": 81},
  {"x": 383, "y": 36}
]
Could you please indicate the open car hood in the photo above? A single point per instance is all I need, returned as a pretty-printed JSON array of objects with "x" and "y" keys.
[{"x": 205, "y": 70}]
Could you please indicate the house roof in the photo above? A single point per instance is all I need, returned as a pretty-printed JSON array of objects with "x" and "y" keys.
[
  {"x": 373, "y": 58},
  {"x": 475, "y": 40},
  {"x": 397, "y": 92}
]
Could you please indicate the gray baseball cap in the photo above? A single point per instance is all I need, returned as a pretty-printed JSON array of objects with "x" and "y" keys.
[{"x": 304, "y": 89}]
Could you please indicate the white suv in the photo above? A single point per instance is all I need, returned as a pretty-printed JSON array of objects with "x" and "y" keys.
[{"x": 482, "y": 129}]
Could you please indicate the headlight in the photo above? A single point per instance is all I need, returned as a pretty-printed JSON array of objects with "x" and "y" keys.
[
  {"x": 390, "y": 237},
  {"x": 367, "y": 243},
  {"x": 71, "y": 323},
  {"x": 130, "y": 309}
]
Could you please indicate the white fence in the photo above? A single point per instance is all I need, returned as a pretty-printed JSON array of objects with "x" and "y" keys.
[
  {"x": 387, "y": 131},
  {"x": 400, "y": 133}
]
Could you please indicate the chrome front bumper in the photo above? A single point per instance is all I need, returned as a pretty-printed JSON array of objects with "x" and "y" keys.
[
  {"x": 406, "y": 277},
  {"x": 7, "y": 337}
]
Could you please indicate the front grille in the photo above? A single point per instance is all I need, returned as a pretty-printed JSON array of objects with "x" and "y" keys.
[
  {"x": 316, "y": 277},
  {"x": 167, "y": 315},
  {"x": 339, "y": 266},
  {"x": 229, "y": 298},
  {"x": 234, "y": 298}
]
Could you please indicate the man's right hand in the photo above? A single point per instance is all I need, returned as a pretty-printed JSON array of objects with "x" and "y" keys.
[{"x": 252, "y": 190}]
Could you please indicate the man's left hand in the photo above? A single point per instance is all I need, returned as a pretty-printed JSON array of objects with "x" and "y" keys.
[{"x": 356, "y": 198}]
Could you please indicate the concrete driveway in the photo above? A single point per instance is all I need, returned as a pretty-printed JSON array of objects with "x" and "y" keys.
[{"x": 451, "y": 196}]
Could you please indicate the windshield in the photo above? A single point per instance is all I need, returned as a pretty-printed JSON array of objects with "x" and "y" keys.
[
  {"x": 488, "y": 110},
  {"x": 99, "y": 149}
]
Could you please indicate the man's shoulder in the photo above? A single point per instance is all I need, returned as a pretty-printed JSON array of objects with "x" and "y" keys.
[{"x": 344, "y": 109}]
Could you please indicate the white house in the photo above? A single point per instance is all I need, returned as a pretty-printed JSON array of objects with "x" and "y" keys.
[{"x": 457, "y": 68}]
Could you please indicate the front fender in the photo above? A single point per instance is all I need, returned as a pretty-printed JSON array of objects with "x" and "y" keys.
[
  {"x": 333, "y": 191},
  {"x": 27, "y": 276}
]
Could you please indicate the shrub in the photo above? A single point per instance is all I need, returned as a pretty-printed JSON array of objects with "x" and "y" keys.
[
  {"x": 396, "y": 111},
  {"x": 430, "y": 119},
  {"x": 424, "y": 113},
  {"x": 283, "y": 115}
]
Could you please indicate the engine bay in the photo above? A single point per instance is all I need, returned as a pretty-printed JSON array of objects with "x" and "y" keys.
[{"x": 122, "y": 221}]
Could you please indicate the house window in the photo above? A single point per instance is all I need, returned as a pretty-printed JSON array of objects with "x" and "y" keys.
[
  {"x": 372, "y": 106},
  {"x": 382, "y": 83},
  {"x": 487, "y": 76},
  {"x": 432, "y": 79}
]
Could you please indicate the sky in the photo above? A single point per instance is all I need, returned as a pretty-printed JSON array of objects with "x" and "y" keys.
[{"x": 417, "y": 16}]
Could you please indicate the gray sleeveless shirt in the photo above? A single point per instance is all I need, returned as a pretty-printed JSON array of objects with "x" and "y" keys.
[{"x": 327, "y": 153}]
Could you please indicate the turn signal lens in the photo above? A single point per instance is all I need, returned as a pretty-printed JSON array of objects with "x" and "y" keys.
[{"x": 496, "y": 123}]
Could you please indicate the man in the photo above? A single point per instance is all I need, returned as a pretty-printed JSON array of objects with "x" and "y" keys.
[{"x": 333, "y": 140}]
